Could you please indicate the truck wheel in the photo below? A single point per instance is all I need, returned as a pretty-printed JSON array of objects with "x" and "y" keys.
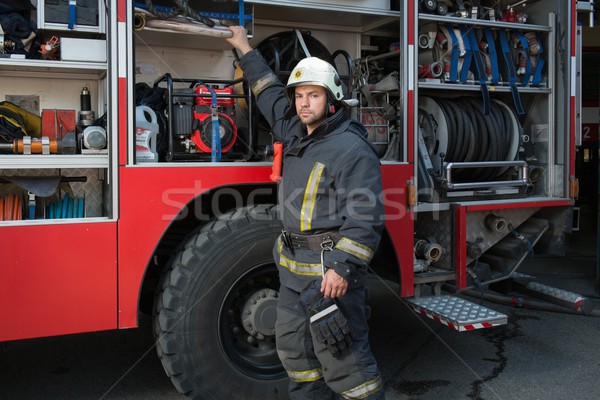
[{"x": 215, "y": 310}]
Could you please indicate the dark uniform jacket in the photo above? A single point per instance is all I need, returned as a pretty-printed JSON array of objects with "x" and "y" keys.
[{"x": 331, "y": 180}]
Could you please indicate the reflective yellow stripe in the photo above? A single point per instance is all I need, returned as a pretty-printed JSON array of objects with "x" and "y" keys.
[
  {"x": 356, "y": 249},
  {"x": 305, "y": 376},
  {"x": 310, "y": 197},
  {"x": 364, "y": 390},
  {"x": 299, "y": 268}
]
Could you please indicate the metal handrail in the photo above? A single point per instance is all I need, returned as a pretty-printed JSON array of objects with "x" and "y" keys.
[{"x": 449, "y": 184}]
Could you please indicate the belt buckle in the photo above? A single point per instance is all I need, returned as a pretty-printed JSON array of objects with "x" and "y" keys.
[{"x": 327, "y": 243}]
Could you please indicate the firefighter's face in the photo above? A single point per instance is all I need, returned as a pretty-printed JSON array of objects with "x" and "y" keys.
[{"x": 311, "y": 105}]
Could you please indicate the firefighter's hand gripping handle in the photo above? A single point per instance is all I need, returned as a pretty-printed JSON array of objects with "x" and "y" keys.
[{"x": 277, "y": 161}]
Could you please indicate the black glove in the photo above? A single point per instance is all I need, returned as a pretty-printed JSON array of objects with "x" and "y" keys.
[{"x": 327, "y": 323}]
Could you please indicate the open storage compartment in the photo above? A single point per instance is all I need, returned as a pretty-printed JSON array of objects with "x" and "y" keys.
[
  {"x": 279, "y": 30},
  {"x": 486, "y": 105},
  {"x": 55, "y": 143}
]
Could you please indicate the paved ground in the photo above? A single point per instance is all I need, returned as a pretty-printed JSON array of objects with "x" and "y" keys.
[{"x": 538, "y": 355}]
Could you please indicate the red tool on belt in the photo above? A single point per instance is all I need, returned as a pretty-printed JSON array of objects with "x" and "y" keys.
[{"x": 277, "y": 161}]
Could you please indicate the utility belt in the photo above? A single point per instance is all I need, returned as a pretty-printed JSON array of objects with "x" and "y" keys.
[{"x": 296, "y": 241}]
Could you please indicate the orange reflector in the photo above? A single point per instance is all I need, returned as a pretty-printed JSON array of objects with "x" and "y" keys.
[
  {"x": 411, "y": 194},
  {"x": 574, "y": 188}
]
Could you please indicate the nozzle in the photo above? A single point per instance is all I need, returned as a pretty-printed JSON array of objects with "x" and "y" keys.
[{"x": 428, "y": 250}]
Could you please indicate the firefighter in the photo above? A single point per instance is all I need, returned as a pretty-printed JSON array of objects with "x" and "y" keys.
[{"x": 332, "y": 214}]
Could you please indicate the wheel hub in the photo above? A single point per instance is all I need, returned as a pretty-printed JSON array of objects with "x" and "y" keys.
[{"x": 259, "y": 313}]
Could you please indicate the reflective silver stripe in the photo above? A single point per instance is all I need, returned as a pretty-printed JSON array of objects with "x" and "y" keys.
[
  {"x": 356, "y": 249},
  {"x": 326, "y": 311},
  {"x": 263, "y": 83},
  {"x": 364, "y": 390},
  {"x": 310, "y": 196},
  {"x": 305, "y": 376}
]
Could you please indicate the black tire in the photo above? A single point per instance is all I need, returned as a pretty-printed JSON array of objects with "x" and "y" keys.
[{"x": 223, "y": 272}]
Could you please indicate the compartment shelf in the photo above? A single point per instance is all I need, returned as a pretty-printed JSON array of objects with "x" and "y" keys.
[
  {"x": 57, "y": 221},
  {"x": 40, "y": 161},
  {"x": 475, "y": 87},
  {"x": 40, "y": 66},
  {"x": 484, "y": 23},
  {"x": 361, "y": 17}
]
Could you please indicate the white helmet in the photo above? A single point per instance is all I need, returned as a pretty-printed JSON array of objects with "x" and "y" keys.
[{"x": 314, "y": 71}]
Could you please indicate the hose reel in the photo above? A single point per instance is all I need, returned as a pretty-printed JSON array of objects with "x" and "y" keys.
[{"x": 462, "y": 148}]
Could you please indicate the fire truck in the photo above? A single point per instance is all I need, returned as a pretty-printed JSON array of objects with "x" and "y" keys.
[{"x": 135, "y": 167}]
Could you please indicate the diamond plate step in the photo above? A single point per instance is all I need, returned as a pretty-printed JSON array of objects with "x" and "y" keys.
[
  {"x": 457, "y": 313},
  {"x": 572, "y": 301}
]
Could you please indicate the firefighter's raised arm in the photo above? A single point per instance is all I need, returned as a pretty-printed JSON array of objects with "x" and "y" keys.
[
  {"x": 264, "y": 84},
  {"x": 239, "y": 40}
]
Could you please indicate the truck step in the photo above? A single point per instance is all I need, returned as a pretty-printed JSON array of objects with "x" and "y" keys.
[
  {"x": 457, "y": 313},
  {"x": 570, "y": 300}
]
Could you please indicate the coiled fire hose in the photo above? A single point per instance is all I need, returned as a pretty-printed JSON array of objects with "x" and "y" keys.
[{"x": 470, "y": 135}]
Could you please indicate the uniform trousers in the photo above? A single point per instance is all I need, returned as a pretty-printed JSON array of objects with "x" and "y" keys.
[{"x": 314, "y": 372}]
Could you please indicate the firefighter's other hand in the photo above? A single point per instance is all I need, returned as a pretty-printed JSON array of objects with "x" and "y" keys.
[
  {"x": 239, "y": 40},
  {"x": 333, "y": 285}
]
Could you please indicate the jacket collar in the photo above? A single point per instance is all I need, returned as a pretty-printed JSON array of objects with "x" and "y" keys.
[
  {"x": 326, "y": 127},
  {"x": 329, "y": 125}
]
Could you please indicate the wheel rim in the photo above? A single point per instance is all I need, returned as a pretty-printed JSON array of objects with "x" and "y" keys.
[{"x": 250, "y": 348}]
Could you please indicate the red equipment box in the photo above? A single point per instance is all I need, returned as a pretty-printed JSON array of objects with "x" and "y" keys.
[{"x": 57, "y": 123}]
